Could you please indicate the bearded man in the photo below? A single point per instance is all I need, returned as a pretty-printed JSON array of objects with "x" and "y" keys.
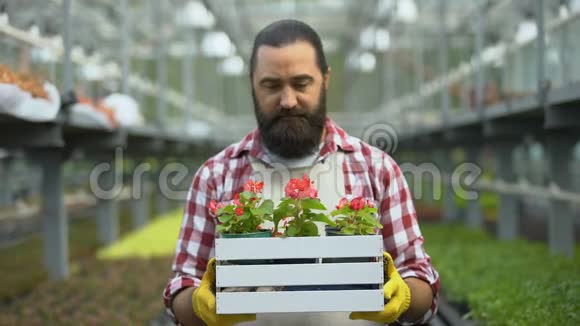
[{"x": 290, "y": 78}]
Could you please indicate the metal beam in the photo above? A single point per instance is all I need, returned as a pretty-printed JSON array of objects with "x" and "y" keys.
[
  {"x": 68, "y": 78},
  {"x": 443, "y": 58},
  {"x": 126, "y": 21},
  {"x": 480, "y": 73},
  {"x": 187, "y": 75},
  {"x": 161, "y": 64}
]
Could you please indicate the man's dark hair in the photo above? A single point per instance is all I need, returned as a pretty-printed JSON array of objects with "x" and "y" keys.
[{"x": 288, "y": 31}]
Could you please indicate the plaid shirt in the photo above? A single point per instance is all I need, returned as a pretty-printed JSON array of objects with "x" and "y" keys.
[{"x": 368, "y": 172}]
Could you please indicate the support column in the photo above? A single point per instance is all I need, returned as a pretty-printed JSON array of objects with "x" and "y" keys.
[
  {"x": 507, "y": 223},
  {"x": 474, "y": 217},
  {"x": 141, "y": 194},
  {"x": 54, "y": 220},
  {"x": 5, "y": 181},
  {"x": 161, "y": 202},
  {"x": 561, "y": 219},
  {"x": 445, "y": 164},
  {"x": 107, "y": 202}
]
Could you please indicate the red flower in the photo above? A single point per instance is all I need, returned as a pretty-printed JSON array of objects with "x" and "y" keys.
[
  {"x": 255, "y": 187},
  {"x": 357, "y": 203},
  {"x": 370, "y": 203},
  {"x": 301, "y": 188},
  {"x": 213, "y": 207},
  {"x": 237, "y": 200},
  {"x": 239, "y": 211},
  {"x": 342, "y": 203}
]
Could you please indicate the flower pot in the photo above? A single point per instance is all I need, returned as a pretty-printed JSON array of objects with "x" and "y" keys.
[
  {"x": 335, "y": 232},
  {"x": 260, "y": 234}
]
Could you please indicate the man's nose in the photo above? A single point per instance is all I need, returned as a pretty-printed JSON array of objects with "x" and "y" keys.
[{"x": 288, "y": 99}]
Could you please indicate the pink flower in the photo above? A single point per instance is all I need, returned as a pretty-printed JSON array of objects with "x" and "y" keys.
[
  {"x": 239, "y": 211},
  {"x": 313, "y": 193},
  {"x": 255, "y": 187},
  {"x": 301, "y": 188},
  {"x": 342, "y": 203},
  {"x": 357, "y": 203}
]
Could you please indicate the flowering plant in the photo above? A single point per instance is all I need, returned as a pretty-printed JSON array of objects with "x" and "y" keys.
[
  {"x": 356, "y": 216},
  {"x": 299, "y": 206},
  {"x": 247, "y": 212}
]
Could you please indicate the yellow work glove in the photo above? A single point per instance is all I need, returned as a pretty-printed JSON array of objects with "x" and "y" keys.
[
  {"x": 204, "y": 305},
  {"x": 397, "y": 293}
]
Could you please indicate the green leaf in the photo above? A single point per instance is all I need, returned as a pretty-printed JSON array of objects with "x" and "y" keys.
[
  {"x": 368, "y": 230},
  {"x": 343, "y": 211},
  {"x": 372, "y": 210},
  {"x": 310, "y": 203},
  {"x": 245, "y": 216},
  {"x": 246, "y": 196},
  {"x": 267, "y": 206},
  {"x": 225, "y": 218},
  {"x": 221, "y": 229},
  {"x": 257, "y": 211},
  {"x": 309, "y": 229},
  {"x": 229, "y": 209},
  {"x": 322, "y": 218},
  {"x": 348, "y": 230},
  {"x": 292, "y": 231}
]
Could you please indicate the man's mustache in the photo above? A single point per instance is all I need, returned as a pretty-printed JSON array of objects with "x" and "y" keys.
[{"x": 290, "y": 113}]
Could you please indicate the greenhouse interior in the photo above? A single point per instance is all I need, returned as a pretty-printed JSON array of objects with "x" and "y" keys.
[{"x": 131, "y": 132}]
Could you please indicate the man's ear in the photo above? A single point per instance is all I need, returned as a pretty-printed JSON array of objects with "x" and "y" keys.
[{"x": 326, "y": 77}]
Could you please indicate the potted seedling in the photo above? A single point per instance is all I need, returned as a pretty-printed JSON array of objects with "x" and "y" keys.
[
  {"x": 299, "y": 209},
  {"x": 243, "y": 217},
  {"x": 355, "y": 217}
]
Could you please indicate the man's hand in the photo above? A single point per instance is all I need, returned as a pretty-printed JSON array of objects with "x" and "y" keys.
[
  {"x": 204, "y": 303},
  {"x": 397, "y": 294}
]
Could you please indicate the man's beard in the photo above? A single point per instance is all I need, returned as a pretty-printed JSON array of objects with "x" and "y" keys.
[{"x": 292, "y": 133}]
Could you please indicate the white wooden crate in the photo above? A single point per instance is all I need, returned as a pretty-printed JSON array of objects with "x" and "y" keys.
[{"x": 280, "y": 275}]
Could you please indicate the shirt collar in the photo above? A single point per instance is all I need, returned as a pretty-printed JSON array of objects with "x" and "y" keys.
[{"x": 335, "y": 138}]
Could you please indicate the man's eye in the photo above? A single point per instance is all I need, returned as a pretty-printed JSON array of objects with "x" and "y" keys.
[
  {"x": 301, "y": 85},
  {"x": 271, "y": 85}
]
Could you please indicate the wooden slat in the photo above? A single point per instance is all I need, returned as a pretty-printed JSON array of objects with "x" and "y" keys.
[
  {"x": 299, "y": 247},
  {"x": 299, "y": 301},
  {"x": 299, "y": 274}
]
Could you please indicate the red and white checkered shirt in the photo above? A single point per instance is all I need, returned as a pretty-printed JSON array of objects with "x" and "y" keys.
[{"x": 368, "y": 172}]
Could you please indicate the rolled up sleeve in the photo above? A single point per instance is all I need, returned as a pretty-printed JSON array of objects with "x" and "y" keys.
[
  {"x": 401, "y": 233},
  {"x": 196, "y": 239}
]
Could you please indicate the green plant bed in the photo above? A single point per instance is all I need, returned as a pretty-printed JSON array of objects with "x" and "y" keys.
[
  {"x": 111, "y": 292},
  {"x": 21, "y": 265},
  {"x": 505, "y": 283}
]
